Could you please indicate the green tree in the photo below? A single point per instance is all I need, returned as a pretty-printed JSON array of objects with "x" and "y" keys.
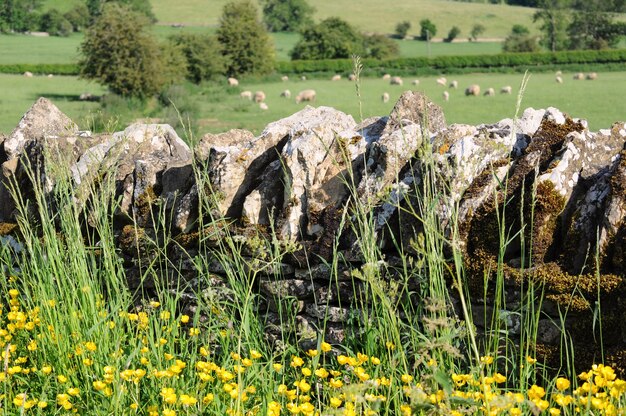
[
  {"x": 380, "y": 47},
  {"x": 286, "y": 15},
  {"x": 203, "y": 55},
  {"x": 428, "y": 30},
  {"x": 78, "y": 17},
  {"x": 19, "y": 15},
  {"x": 520, "y": 40},
  {"x": 553, "y": 17},
  {"x": 402, "y": 29},
  {"x": 332, "y": 38},
  {"x": 476, "y": 31},
  {"x": 119, "y": 52},
  {"x": 142, "y": 6},
  {"x": 55, "y": 23},
  {"x": 246, "y": 43},
  {"x": 452, "y": 34},
  {"x": 593, "y": 25}
]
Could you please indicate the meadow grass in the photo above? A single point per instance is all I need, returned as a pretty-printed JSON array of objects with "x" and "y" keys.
[
  {"x": 76, "y": 339},
  {"x": 220, "y": 108}
]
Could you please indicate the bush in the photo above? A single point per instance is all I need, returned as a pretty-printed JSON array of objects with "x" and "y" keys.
[
  {"x": 55, "y": 23},
  {"x": 203, "y": 56},
  {"x": 119, "y": 52},
  {"x": 452, "y": 34},
  {"x": 520, "y": 40},
  {"x": 141, "y": 6},
  {"x": 402, "y": 29},
  {"x": 380, "y": 47},
  {"x": 246, "y": 44},
  {"x": 428, "y": 29},
  {"x": 286, "y": 15},
  {"x": 332, "y": 38},
  {"x": 78, "y": 17}
]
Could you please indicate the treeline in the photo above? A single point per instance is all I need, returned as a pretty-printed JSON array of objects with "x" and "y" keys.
[{"x": 616, "y": 6}]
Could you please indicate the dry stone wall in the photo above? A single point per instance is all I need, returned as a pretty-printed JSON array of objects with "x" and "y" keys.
[{"x": 559, "y": 189}]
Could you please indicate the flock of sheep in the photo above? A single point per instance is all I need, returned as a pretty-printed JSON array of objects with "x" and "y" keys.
[{"x": 473, "y": 90}]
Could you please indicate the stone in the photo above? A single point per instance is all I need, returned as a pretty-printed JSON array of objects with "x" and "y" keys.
[{"x": 300, "y": 289}]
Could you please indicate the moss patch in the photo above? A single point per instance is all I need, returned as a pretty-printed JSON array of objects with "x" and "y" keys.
[{"x": 7, "y": 228}]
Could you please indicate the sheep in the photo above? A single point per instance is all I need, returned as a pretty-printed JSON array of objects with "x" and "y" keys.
[
  {"x": 259, "y": 97},
  {"x": 305, "y": 95},
  {"x": 284, "y": 78},
  {"x": 473, "y": 89},
  {"x": 591, "y": 76},
  {"x": 385, "y": 97},
  {"x": 507, "y": 89},
  {"x": 386, "y": 77},
  {"x": 454, "y": 84},
  {"x": 50, "y": 76},
  {"x": 415, "y": 82},
  {"x": 558, "y": 79},
  {"x": 233, "y": 82},
  {"x": 442, "y": 81},
  {"x": 286, "y": 94},
  {"x": 351, "y": 77},
  {"x": 246, "y": 94},
  {"x": 446, "y": 95},
  {"x": 395, "y": 81},
  {"x": 579, "y": 76},
  {"x": 303, "y": 78},
  {"x": 263, "y": 106},
  {"x": 558, "y": 73},
  {"x": 490, "y": 92},
  {"x": 28, "y": 74},
  {"x": 336, "y": 77}
]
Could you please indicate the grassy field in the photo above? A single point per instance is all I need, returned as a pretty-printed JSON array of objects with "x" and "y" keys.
[
  {"x": 63, "y": 91},
  {"x": 220, "y": 109},
  {"x": 374, "y": 15}
]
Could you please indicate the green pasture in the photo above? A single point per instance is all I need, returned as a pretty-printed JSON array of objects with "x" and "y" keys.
[
  {"x": 220, "y": 109},
  {"x": 63, "y": 91}
]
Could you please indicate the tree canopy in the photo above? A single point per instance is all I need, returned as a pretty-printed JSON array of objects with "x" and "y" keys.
[
  {"x": 18, "y": 15},
  {"x": 286, "y": 15},
  {"x": 247, "y": 45},
  {"x": 332, "y": 38}
]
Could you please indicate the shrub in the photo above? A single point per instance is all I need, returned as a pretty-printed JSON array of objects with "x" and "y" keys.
[
  {"x": 19, "y": 16},
  {"x": 286, "y": 15},
  {"x": 402, "y": 29},
  {"x": 119, "y": 52},
  {"x": 452, "y": 34},
  {"x": 332, "y": 38},
  {"x": 246, "y": 43},
  {"x": 428, "y": 29},
  {"x": 520, "y": 40},
  {"x": 203, "y": 56},
  {"x": 380, "y": 47},
  {"x": 55, "y": 23},
  {"x": 141, "y": 6}
]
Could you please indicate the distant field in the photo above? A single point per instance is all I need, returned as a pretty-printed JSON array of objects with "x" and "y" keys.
[
  {"x": 372, "y": 15},
  {"x": 598, "y": 101},
  {"x": 63, "y": 91}
]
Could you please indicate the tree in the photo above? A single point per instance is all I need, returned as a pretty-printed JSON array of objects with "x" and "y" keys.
[
  {"x": 119, "y": 52},
  {"x": 287, "y": 15},
  {"x": 141, "y": 6},
  {"x": 476, "y": 31},
  {"x": 380, "y": 47},
  {"x": 203, "y": 55},
  {"x": 246, "y": 43},
  {"x": 554, "y": 17},
  {"x": 520, "y": 40},
  {"x": 428, "y": 30},
  {"x": 452, "y": 34},
  {"x": 593, "y": 26},
  {"x": 402, "y": 29},
  {"x": 55, "y": 23},
  {"x": 78, "y": 17},
  {"x": 19, "y": 15},
  {"x": 332, "y": 38}
]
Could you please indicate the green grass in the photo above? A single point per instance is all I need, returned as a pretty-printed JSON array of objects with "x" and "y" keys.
[
  {"x": 220, "y": 109},
  {"x": 411, "y": 48},
  {"x": 25, "y": 49},
  {"x": 63, "y": 91},
  {"x": 374, "y": 15}
]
